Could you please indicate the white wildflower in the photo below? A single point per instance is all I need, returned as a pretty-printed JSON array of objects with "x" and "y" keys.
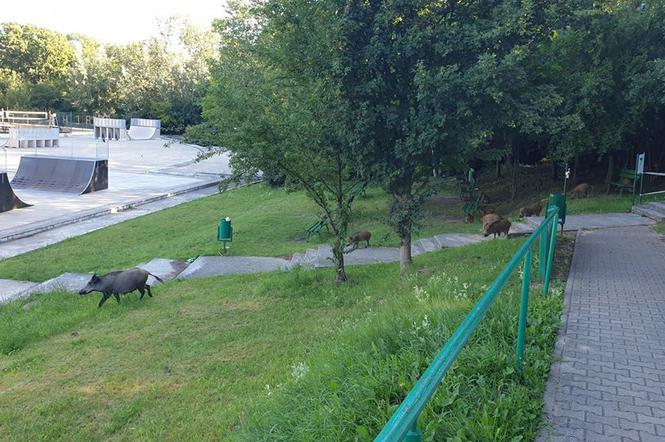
[{"x": 299, "y": 370}]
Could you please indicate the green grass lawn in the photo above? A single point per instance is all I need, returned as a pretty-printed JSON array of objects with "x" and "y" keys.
[
  {"x": 266, "y": 222},
  {"x": 279, "y": 356},
  {"x": 659, "y": 228}
]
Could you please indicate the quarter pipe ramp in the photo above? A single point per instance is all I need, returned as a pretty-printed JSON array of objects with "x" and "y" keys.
[
  {"x": 61, "y": 174},
  {"x": 142, "y": 132},
  {"x": 8, "y": 199}
]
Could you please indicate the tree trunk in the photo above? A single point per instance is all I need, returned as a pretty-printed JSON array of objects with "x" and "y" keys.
[
  {"x": 513, "y": 185},
  {"x": 555, "y": 171},
  {"x": 498, "y": 168},
  {"x": 338, "y": 257},
  {"x": 405, "y": 258},
  {"x": 610, "y": 172}
]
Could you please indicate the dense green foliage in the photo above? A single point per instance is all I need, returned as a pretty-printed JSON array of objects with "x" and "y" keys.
[
  {"x": 163, "y": 77},
  {"x": 279, "y": 112},
  {"x": 232, "y": 357},
  {"x": 412, "y": 89}
]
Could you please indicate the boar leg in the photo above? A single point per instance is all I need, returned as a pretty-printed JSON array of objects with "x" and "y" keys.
[
  {"x": 147, "y": 287},
  {"x": 117, "y": 297},
  {"x": 142, "y": 292},
  {"x": 368, "y": 243},
  {"x": 104, "y": 298}
]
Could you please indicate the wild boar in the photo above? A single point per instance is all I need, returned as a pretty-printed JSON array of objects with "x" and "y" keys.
[
  {"x": 498, "y": 227},
  {"x": 119, "y": 283},
  {"x": 489, "y": 219},
  {"x": 585, "y": 189},
  {"x": 357, "y": 237},
  {"x": 533, "y": 210},
  {"x": 469, "y": 218}
]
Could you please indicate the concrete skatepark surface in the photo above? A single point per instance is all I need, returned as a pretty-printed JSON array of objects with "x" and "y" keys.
[{"x": 138, "y": 170}]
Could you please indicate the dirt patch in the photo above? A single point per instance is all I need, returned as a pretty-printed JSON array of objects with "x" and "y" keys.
[
  {"x": 443, "y": 200},
  {"x": 564, "y": 256}
]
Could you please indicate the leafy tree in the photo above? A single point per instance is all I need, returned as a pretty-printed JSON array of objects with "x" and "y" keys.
[
  {"x": 36, "y": 54},
  {"x": 274, "y": 104},
  {"x": 598, "y": 63},
  {"x": 164, "y": 77},
  {"x": 434, "y": 82}
]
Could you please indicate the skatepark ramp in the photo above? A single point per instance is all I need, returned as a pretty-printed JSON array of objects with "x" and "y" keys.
[
  {"x": 34, "y": 137},
  {"x": 110, "y": 128},
  {"x": 61, "y": 174},
  {"x": 144, "y": 129},
  {"x": 8, "y": 199}
]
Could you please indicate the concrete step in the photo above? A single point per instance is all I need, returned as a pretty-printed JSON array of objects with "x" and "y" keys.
[
  {"x": 10, "y": 289},
  {"x": 428, "y": 244},
  {"x": 300, "y": 259},
  {"x": 231, "y": 265},
  {"x": 532, "y": 221},
  {"x": 311, "y": 254},
  {"x": 459, "y": 239},
  {"x": 656, "y": 207},
  {"x": 656, "y": 215},
  {"x": 69, "y": 282},
  {"x": 522, "y": 228},
  {"x": 659, "y": 205},
  {"x": 417, "y": 248},
  {"x": 166, "y": 269}
]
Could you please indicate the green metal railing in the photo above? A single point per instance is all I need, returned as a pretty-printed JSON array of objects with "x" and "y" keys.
[{"x": 402, "y": 426}]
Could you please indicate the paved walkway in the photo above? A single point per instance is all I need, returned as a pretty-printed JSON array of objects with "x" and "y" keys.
[
  {"x": 597, "y": 221},
  {"x": 609, "y": 383}
]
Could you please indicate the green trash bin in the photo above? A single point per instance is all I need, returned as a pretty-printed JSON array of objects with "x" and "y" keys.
[
  {"x": 559, "y": 200},
  {"x": 225, "y": 231}
]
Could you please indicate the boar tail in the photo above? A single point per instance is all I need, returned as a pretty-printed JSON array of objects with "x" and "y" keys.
[{"x": 155, "y": 276}]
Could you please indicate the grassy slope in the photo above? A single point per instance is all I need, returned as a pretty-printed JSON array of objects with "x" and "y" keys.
[
  {"x": 193, "y": 362},
  {"x": 660, "y": 228},
  {"x": 267, "y": 222}
]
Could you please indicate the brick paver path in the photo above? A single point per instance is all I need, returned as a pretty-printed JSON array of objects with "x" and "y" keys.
[{"x": 609, "y": 381}]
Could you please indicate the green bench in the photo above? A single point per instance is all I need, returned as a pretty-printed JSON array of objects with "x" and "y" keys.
[
  {"x": 315, "y": 229},
  {"x": 626, "y": 181}
]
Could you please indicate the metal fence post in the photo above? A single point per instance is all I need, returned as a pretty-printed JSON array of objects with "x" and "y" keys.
[
  {"x": 524, "y": 308},
  {"x": 550, "y": 256},
  {"x": 542, "y": 252},
  {"x": 414, "y": 434}
]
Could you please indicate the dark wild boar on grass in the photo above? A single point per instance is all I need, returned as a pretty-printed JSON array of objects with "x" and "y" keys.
[{"x": 119, "y": 283}]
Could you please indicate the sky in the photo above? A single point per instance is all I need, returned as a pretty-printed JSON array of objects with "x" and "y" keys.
[{"x": 110, "y": 21}]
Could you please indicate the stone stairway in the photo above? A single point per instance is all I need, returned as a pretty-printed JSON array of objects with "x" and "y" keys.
[
  {"x": 317, "y": 257},
  {"x": 655, "y": 211},
  {"x": 204, "y": 266}
]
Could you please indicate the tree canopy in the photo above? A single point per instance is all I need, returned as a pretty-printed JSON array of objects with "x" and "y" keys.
[
  {"x": 410, "y": 89},
  {"x": 163, "y": 77}
]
